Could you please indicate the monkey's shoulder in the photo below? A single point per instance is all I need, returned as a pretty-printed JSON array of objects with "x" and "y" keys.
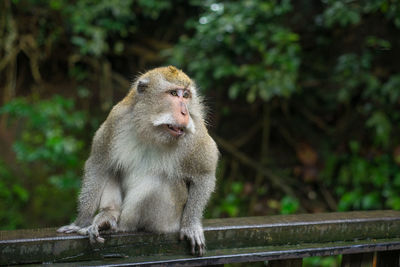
[
  {"x": 120, "y": 110},
  {"x": 203, "y": 156},
  {"x": 107, "y": 131}
]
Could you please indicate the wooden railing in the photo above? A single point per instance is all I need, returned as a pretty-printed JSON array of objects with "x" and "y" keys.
[{"x": 363, "y": 238}]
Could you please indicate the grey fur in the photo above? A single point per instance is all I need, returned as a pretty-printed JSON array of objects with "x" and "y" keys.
[{"x": 140, "y": 177}]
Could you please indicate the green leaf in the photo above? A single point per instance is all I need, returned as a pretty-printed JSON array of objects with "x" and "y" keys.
[{"x": 289, "y": 205}]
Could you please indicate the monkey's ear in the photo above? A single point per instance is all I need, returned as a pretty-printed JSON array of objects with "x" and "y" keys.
[{"x": 142, "y": 86}]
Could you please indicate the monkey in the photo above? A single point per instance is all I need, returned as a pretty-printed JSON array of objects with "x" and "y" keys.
[{"x": 152, "y": 164}]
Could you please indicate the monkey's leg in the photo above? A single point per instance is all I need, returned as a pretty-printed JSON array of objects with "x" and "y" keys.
[
  {"x": 200, "y": 189},
  {"x": 136, "y": 192},
  {"x": 130, "y": 215},
  {"x": 162, "y": 209},
  {"x": 108, "y": 216}
]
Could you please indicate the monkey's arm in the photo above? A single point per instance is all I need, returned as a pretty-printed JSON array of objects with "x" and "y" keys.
[
  {"x": 93, "y": 185},
  {"x": 100, "y": 192},
  {"x": 200, "y": 189}
]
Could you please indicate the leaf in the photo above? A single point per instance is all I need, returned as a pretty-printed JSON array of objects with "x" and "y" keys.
[
  {"x": 371, "y": 201},
  {"x": 21, "y": 192},
  {"x": 289, "y": 205}
]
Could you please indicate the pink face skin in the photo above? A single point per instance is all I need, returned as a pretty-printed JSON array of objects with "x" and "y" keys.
[{"x": 179, "y": 97}]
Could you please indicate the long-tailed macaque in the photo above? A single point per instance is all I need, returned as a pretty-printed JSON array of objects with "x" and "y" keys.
[{"x": 152, "y": 163}]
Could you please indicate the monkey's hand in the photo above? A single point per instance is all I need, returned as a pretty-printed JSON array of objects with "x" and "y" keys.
[
  {"x": 93, "y": 230},
  {"x": 104, "y": 220},
  {"x": 195, "y": 235}
]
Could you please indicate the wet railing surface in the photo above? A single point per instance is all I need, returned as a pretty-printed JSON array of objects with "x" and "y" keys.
[{"x": 370, "y": 238}]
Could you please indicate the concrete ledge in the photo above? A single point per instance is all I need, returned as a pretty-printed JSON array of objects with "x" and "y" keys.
[{"x": 228, "y": 240}]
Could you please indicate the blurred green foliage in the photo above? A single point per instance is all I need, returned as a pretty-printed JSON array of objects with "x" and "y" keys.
[
  {"x": 362, "y": 183},
  {"x": 50, "y": 134},
  {"x": 249, "y": 50},
  {"x": 13, "y": 198},
  {"x": 49, "y": 146}
]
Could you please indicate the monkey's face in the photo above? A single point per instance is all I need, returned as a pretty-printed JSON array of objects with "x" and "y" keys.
[
  {"x": 165, "y": 101},
  {"x": 173, "y": 117}
]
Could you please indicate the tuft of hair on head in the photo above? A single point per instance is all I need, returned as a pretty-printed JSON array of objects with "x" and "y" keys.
[
  {"x": 173, "y": 69},
  {"x": 175, "y": 75}
]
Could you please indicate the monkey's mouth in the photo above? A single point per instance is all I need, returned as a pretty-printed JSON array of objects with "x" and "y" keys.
[{"x": 174, "y": 130}]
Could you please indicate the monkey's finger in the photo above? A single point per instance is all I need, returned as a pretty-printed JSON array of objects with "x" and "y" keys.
[
  {"x": 193, "y": 245},
  {"x": 68, "y": 229},
  {"x": 203, "y": 247},
  {"x": 93, "y": 233},
  {"x": 202, "y": 250},
  {"x": 100, "y": 239},
  {"x": 202, "y": 239},
  {"x": 198, "y": 243},
  {"x": 62, "y": 229},
  {"x": 197, "y": 240}
]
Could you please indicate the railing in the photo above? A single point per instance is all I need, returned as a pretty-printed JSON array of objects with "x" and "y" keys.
[{"x": 363, "y": 238}]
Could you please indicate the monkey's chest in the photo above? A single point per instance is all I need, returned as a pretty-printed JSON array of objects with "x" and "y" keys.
[
  {"x": 145, "y": 185},
  {"x": 136, "y": 160}
]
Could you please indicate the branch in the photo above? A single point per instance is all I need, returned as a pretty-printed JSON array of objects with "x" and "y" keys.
[
  {"x": 273, "y": 178},
  {"x": 249, "y": 134}
]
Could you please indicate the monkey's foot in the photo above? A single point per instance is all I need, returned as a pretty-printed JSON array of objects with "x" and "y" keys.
[
  {"x": 196, "y": 238},
  {"x": 67, "y": 229},
  {"x": 93, "y": 231}
]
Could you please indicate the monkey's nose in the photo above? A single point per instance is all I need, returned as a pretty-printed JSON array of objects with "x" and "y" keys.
[{"x": 183, "y": 109}]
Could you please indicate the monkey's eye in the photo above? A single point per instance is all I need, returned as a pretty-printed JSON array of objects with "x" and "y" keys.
[
  {"x": 173, "y": 93},
  {"x": 186, "y": 94}
]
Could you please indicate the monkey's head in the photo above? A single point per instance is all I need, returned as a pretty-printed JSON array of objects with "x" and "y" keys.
[{"x": 166, "y": 107}]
